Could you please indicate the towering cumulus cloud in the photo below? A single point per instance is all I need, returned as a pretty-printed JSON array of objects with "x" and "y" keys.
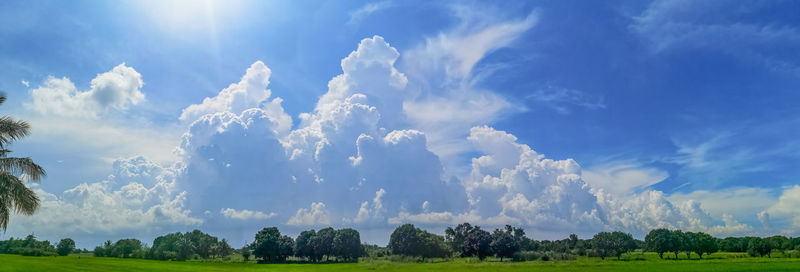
[{"x": 356, "y": 159}]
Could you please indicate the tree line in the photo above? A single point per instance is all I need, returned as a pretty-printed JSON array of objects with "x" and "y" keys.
[{"x": 408, "y": 241}]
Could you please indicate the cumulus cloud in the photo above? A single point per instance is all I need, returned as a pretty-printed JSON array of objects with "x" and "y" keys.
[
  {"x": 138, "y": 198},
  {"x": 115, "y": 89},
  {"x": 317, "y": 215},
  {"x": 245, "y": 214},
  {"x": 250, "y": 92},
  {"x": 444, "y": 99}
]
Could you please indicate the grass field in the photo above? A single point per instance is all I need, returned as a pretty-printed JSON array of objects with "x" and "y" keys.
[{"x": 650, "y": 262}]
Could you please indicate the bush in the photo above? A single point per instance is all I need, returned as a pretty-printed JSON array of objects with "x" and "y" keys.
[
  {"x": 35, "y": 252},
  {"x": 525, "y": 256},
  {"x": 545, "y": 257}
]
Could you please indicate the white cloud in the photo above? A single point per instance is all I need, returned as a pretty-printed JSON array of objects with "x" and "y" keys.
[
  {"x": 316, "y": 216},
  {"x": 558, "y": 97},
  {"x": 372, "y": 212},
  {"x": 740, "y": 202},
  {"x": 445, "y": 101},
  {"x": 622, "y": 178},
  {"x": 26, "y": 83},
  {"x": 245, "y": 214},
  {"x": 115, "y": 89},
  {"x": 121, "y": 204},
  {"x": 671, "y": 24},
  {"x": 250, "y": 92},
  {"x": 785, "y": 211},
  {"x": 356, "y": 16}
]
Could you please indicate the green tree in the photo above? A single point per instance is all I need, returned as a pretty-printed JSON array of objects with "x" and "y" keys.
[
  {"x": 347, "y": 245},
  {"x": 323, "y": 243},
  {"x": 245, "y": 253},
  {"x": 602, "y": 244},
  {"x": 65, "y": 246},
  {"x": 304, "y": 246},
  {"x": 267, "y": 244},
  {"x": 285, "y": 247},
  {"x": 706, "y": 244},
  {"x": 689, "y": 244},
  {"x": 405, "y": 241},
  {"x": 457, "y": 239},
  {"x": 223, "y": 249},
  {"x": 504, "y": 244},
  {"x": 15, "y": 196},
  {"x": 660, "y": 241}
]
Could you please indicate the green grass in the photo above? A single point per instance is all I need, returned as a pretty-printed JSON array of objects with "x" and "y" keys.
[{"x": 637, "y": 263}]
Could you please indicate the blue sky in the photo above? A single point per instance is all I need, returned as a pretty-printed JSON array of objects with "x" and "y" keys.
[{"x": 655, "y": 114}]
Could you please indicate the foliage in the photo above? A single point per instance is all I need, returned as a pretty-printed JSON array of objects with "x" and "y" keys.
[
  {"x": 15, "y": 195},
  {"x": 65, "y": 246},
  {"x": 408, "y": 240}
]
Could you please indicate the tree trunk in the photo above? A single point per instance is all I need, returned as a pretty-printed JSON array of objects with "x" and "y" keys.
[
  {"x": 501, "y": 259},
  {"x": 700, "y": 254},
  {"x": 676, "y": 255},
  {"x": 688, "y": 255},
  {"x": 661, "y": 255}
]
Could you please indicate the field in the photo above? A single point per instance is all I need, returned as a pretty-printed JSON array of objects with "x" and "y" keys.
[{"x": 646, "y": 262}]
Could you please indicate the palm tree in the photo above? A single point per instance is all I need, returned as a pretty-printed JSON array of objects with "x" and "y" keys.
[{"x": 14, "y": 194}]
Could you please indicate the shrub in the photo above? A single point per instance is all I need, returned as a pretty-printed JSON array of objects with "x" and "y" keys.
[
  {"x": 525, "y": 256},
  {"x": 545, "y": 257}
]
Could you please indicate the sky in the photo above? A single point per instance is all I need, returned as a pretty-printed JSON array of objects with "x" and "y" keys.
[{"x": 560, "y": 117}]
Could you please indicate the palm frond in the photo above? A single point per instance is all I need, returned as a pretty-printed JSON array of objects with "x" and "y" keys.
[
  {"x": 2, "y": 98},
  {"x": 5, "y": 213},
  {"x": 12, "y": 130},
  {"x": 22, "y": 167},
  {"x": 15, "y": 194}
]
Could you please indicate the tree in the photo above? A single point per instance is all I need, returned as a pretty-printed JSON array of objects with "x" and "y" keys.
[
  {"x": 689, "y": 244},
  {"x": 285, "y": 247},
  {"x": 65, "y": 246},
  {"x": 504, "y": 243},
  {"x": 480, "y": 241},
  {"x": 433, "y": 246},
  {"x": 323, "y": 243},
  {"x": 347, "y": 245},
  {"x": 267, "y": 244},
  {"x": 246, "y": 253},
  {"x": 706, "y": 244},
  {"x": 660, "y": 241},
  {"x": 223, "y": 249},
  {"x": 457, "y": 239},
  {"x": 759, "y": 246},
  {"x": 405, "y": 241},
  {"x": 304, "y": 246},
  {"x": 125, "y": 247},
  {"x": 602, "y": 244},
  {"x": 15, "y": 196}
]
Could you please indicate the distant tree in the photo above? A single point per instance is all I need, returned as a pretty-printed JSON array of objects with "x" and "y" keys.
[
  {"x": 185, "y": 248},
  {"x": 347, "y": 245},
  {"x": 245, "y": 253},
  {"x": 125, "y": 247},
  {"x": 202, "y": 243},
  {"x": 405, "y": 241},
  {"x": 678, "y": 238},
  {"x": 480, "y": 240},
  {"x": 504, "y": 244},
  {"x": 15, "y": 196},
  {"x": 267, "y": 244},
  {"x": 285, "y": 247},
  {"x": 223, "y": 249},
  {"x": 759, "y": 246},
  {"x": 323, "y": 243},
  {"x": 602, "y": 244},
  {"x": 706, "y": 244},
  {"x": 660, "y": 241},
  {"x": 304, "y": 246},
  {"x": 65, "y": 246},
  {"x": 689, "y": 244},
  {"x": 433, "y": 246},
  {"x": 457, "y": 239}
]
